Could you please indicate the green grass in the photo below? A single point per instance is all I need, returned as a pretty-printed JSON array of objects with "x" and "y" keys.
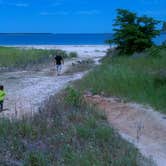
[
  {"x": 20, "y": 57},
  {"x": 73, "y": 54},
  {"x": 65, "y": 133},
  {"x": 141, "y": 79}
]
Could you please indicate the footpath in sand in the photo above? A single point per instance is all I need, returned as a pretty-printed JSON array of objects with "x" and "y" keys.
[
  {"x": 139, "y": 125},
  {"x": 27, "y": 91}
]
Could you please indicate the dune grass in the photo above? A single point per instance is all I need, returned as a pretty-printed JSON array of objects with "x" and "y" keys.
[
  {"x": 20, "y": 57},
  {"x": 68, "y": 132},
  {"x": 141, "y": 79}
]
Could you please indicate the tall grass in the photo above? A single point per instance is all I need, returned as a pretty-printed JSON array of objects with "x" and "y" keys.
[
  {"x": 141, "y": 79},
  {"x": 65, "y": 133},
  {"x": 20, "y": 57}
]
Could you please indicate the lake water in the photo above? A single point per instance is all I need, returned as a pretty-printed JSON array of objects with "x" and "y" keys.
[{"x": 60, "y": 39}]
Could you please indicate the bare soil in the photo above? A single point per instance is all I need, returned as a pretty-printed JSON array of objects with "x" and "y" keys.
[{"x": 140, "y": 125}]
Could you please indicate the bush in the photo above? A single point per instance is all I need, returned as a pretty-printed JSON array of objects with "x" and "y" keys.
[{"x": 73, "y": 54}]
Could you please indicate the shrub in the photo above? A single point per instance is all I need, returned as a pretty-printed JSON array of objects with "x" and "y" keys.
[{"x": 73, "y": 54}]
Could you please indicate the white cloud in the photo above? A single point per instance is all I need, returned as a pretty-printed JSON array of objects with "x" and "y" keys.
[
  {"x": 81, "y": 12},
  {"x": 88, "y": 12},
  {"x": 54, "y": 13},
  {"x": 21, "y": 4},
  {"x": 14, "y": 4},
  {"x": 56, "y": 4}
]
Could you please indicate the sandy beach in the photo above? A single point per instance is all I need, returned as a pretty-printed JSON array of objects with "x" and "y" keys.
[{"x": 32, "y": 88}]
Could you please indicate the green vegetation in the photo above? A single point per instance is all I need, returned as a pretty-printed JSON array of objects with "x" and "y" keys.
[
  {"x": 65, "y": 134},
  {"x": 81, "y": 66},
  {"x": 133, "y": 33},
  {"x": 140, "y": 78},
  {"x": 21, "y": 57},
  {"x": 73, "y": 54}
]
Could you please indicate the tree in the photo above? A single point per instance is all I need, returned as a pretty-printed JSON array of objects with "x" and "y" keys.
[
  {"x": 164, "y": 27},
  {"x": 133, "y": 33}
]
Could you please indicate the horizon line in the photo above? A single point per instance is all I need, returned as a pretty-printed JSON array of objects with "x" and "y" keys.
[{"x": 54, "y": 33}]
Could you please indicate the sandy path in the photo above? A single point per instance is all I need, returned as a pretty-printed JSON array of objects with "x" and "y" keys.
[
  {"x": 141, "y": 126},
  {"x": 27, "y": 90}
]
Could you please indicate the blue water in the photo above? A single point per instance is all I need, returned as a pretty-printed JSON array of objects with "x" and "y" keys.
[
  {"x": 53, "y": 39},
  {"x": 60, "y": 39}
]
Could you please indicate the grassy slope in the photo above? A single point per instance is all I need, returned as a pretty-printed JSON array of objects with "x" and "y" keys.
[
  {"x": 65, "y": 134},
  {"x": 68, "y": 132},
  {"x": 141, "y": 79}
]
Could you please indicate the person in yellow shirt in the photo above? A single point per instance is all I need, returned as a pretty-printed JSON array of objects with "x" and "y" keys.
[{"x": 2, "y": 97}]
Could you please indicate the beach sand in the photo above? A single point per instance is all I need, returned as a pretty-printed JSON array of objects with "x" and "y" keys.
[{"x": 28, "y": 90}]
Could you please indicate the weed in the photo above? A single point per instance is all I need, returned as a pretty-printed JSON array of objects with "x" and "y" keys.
[
  {"x": 73, "y": 97},
  {"x": 36, "y": 159}
]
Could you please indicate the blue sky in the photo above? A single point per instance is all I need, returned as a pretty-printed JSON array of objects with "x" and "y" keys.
[{"x": 71, "y": 16}]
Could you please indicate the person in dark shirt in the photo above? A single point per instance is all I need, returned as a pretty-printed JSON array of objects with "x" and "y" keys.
[{"x": 58, "y": 62}]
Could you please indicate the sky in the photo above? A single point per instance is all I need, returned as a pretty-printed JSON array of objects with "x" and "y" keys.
[{"x": 71, "y": 16}]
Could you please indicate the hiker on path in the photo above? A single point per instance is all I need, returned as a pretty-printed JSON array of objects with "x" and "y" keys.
[
  {"x": 2, "y": 97},
  {"x": 58, "y": 61}
]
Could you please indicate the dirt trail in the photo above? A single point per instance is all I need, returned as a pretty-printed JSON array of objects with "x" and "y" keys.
[
  {"x": 140, "y": 125},
  {"x": 27, "y": 90}
]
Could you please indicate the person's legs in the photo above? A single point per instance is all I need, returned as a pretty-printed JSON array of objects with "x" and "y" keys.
[
  {"x": 59, "y": 68},
  {"x": 56, "y": 69}
]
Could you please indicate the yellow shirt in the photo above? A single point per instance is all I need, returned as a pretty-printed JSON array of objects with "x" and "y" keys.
[{"x": 2, "y": 95}]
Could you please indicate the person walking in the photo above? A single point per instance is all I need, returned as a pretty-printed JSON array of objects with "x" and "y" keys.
[
  {"x": 2, "y": 97},
  {"x": 58, "y": 62}
]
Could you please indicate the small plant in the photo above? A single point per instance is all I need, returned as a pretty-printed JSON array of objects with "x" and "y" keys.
[
  {"x": 84, "y": 132},
  {"x": 73, "y": 97},
  {"x": 36, "y": 159},
  {"x": 103, "y": 133}
]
